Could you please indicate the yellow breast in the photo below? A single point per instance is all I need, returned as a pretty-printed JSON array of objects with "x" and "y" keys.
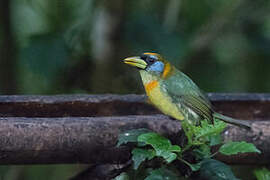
[{"x": 161, "y": 100}]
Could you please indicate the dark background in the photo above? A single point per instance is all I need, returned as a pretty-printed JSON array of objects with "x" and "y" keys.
[{"x": 77, "y": 46}]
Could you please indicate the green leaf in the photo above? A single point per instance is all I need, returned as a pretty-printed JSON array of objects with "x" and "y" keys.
[
  {"x": 231, "y": 148},
  {"x": 139, "y": 155},
  {"x": 262, "y": 174},
  {"x": 205, "y": 133},
  {"x": 161, "y": 174},
  {"x": 162, "y": 146},
  {"x": 122, "y": 176},
  {"x": 215, "y": 170},
  {"x": 193, "y": 167},
  {"x": 215, "y": 140},
  {"x": 202, "y": 152},
  {"x": 207, "y": 129},
  {"x": 130, "y": 136}
]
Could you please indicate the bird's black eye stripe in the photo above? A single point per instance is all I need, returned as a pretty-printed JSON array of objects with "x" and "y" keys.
[
  {"x": 143, "y": 57},
  {"x": 148, "y": 58}
]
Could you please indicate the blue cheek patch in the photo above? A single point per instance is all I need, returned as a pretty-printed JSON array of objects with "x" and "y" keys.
[{"x": 156, "y": 67}]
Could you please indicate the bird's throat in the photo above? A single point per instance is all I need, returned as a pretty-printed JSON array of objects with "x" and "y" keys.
[
  {"x": 150, "y": 81},
  {"x": 148, "y": 77}
]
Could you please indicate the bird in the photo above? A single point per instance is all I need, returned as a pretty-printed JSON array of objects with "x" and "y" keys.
[{"x": 174, "y": 93}]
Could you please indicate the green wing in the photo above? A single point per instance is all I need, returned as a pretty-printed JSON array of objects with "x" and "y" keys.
[{"x": 186, "y": 94}]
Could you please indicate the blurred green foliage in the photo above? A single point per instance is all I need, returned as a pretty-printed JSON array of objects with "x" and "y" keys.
[{"x": 76, "y": 46}]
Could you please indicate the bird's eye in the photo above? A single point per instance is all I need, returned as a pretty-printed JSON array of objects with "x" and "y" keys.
[{"x": 151, "y": 60}]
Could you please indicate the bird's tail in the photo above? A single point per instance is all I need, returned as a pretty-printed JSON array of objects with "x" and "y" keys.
[{"x": 230, "y": 120}]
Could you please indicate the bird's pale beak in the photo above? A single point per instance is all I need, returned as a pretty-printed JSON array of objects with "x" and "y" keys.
[{"x": 136, "y": 61}]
